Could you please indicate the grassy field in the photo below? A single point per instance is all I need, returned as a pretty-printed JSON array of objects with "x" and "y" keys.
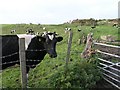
[
  {"x": 98, "y": 31},
  {"x": 48, "y": 68}
]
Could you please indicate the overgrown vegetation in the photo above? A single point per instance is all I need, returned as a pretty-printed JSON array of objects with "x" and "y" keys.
[{"x": 79, "y": 73}]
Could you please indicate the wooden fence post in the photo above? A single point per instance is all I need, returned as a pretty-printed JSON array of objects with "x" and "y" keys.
[
  {"x": 22, "y": 62},
  {"x": 87, "y": 51},
  {"x": 69, "y": 46}
]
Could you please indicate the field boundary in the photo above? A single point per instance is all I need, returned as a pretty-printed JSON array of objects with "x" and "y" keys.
[
  {"x": 22, "y": 58},
  {"x": 110, "y": 69}
]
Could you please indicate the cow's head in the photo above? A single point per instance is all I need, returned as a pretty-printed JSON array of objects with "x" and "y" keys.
[{"x": 50, "y": 40}]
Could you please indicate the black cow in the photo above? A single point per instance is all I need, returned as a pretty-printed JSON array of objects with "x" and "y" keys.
[
  {"x": 93, "y": 27},
  {"x": 30, "y": 31},
  {"x": 79, "y": 30},
  {"x": 46, "y": 43},
  {"x": 13, "y": 31},
  {"x": 67, "y": 30}
]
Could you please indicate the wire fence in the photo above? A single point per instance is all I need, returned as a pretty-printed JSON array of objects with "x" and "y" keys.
[
  {"x": 17, "y": 61},
  {"x": 35, "y": 50},
  {"x": 65, "y": 56},
  {"x": 22, "y": 62},
  {"x": 11, "y": 62},
  {"x": 10, "y": 55}
]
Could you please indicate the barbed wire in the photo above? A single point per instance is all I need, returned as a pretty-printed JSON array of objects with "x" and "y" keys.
[
  {"x": 11, "y": 62},
  {"x": 35, "y": 50},
  {"x": 32, "y": 65},
  {"x": 28, "y": 60},
  {"x": 25, "y": 51},
  {"x": 9, "y": 55}
]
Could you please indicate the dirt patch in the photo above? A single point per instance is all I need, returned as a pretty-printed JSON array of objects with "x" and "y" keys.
[{"x": 103, "y": 85}]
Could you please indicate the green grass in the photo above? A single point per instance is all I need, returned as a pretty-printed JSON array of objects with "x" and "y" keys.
[
  {"x": 11, "y": 78},
  {"x": 48, "y": 67}
]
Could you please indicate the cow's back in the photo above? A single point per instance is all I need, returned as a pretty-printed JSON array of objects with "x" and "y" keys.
[{"x": 10, "y": 50}]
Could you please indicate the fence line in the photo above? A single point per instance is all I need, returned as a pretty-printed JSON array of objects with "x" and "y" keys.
[
  {"x": 35, "y": 50},
  {"x": 69, "y": 46},
  {"x": 113, "y": 55},
  {"x": 110, "y": 70},
  {"x": 22, "y": 62},
  {"x": 102, "y": 44},
  {"x": 9, "y": 55},
  {"x": 111, "y": 83},
  {"x": 26, "y": 50},
  {"x": 17, "y": 61},
  {"x": 9, "y": 62},
  {"x": 105, "y": 60}
]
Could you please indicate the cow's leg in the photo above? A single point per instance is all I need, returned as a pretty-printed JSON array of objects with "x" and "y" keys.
[{"x": 27, "y": 69}]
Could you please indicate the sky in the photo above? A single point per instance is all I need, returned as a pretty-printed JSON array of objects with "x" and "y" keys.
[{"x": 55, "y": 11}]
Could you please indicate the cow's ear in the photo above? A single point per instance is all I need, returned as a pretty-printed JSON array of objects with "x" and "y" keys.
[
  {"x": 41, "y": 38},
  {"x": 59, "y": 39}
]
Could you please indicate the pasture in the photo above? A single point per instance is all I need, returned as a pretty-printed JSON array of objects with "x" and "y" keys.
[{"x": 82, "y": 73}]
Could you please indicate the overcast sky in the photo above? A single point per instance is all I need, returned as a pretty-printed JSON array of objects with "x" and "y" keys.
[{"x": 55, "y": 11}]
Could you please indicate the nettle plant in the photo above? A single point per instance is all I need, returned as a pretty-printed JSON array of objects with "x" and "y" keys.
[{"x": 78, "y": 74}]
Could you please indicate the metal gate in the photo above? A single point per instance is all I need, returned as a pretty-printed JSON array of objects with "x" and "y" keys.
[{"x": 109, "y": 62}]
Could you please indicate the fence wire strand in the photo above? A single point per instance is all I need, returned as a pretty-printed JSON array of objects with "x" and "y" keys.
[
  {"x": 11, "y": 62},
  {"x": 9, "y": 55}
]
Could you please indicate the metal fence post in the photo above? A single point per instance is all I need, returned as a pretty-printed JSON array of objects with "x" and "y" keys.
[{"x": 22, "y": 62}]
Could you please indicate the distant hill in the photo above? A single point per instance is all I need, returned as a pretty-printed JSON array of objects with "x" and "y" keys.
[{"x": 93, "y": 22}]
